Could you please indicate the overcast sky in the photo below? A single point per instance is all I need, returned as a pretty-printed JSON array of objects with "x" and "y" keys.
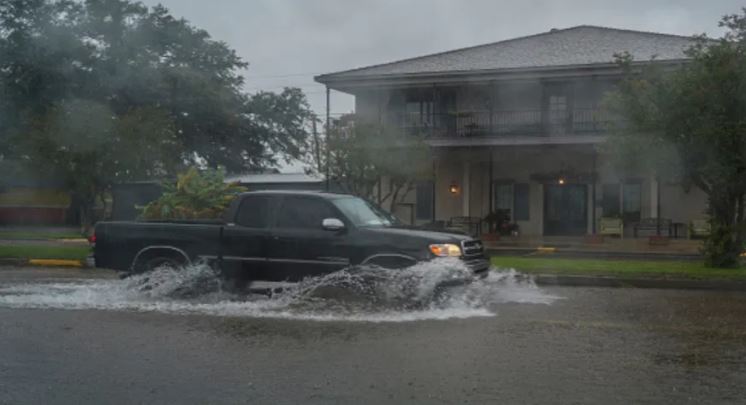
[{"x": 287, "y": 42}]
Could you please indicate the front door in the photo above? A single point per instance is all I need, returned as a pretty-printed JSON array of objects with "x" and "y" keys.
[
  {"x": 299, "y": 246},
  {"x": 565, "y": 209}
]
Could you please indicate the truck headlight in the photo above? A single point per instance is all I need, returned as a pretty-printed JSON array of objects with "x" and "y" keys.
[{"x": 445, "y": 250}]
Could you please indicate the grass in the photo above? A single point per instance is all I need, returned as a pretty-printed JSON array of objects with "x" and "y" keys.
[
  {"x": 618, "y": 268},
  {"x": 44, "y": 252},
  {"x": 38, "y": 235}
]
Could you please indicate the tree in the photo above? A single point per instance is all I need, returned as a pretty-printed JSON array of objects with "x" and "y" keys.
[
  {"x": 195, "y": 195},
  {"x": 690, "y": 122},
  {"x": 138, "y": 66},
  {"x": 365, "y": 158},
  {"x": 90, "y": 148}
]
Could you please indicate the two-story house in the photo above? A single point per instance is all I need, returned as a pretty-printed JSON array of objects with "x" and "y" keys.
[{"x": 516, "y": 125}]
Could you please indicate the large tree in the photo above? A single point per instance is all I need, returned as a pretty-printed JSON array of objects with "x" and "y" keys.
[
  {"x": 690, "y": 122},
  {"x": 375, "y": 162},
  {"x": 140, "y": 68}
]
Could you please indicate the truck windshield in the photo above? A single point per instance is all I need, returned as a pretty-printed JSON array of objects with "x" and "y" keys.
[{"x": 363, "y": 213}]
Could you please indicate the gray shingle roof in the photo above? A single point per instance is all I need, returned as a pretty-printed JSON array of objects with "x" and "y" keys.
[{"x": 581, "y": 45}]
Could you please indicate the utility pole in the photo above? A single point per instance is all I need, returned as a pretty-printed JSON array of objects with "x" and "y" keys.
[
  {"x": 317, "y": 146},
  {"x": 328, "y": 130}
]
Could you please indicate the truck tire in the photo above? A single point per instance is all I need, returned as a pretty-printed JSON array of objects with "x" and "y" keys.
[{"x": 151, "y": 260}]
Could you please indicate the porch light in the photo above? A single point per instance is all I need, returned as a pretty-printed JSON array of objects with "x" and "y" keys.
[
  {"x": 453, "y": 188},
  {"x": 561, "y": 181}
]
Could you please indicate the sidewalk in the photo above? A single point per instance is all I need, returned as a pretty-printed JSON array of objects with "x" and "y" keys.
[{"x": 640, "y": 248}]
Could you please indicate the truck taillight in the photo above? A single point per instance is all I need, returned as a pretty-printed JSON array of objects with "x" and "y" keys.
[{"x": 92, "y": 239}]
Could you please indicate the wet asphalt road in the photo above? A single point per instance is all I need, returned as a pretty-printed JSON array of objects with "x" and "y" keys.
[{"x": 594, "y": 346}]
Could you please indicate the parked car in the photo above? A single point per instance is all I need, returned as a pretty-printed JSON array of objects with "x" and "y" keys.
[{"x": 281, "y": 236}]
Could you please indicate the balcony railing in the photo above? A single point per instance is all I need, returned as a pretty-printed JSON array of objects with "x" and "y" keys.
[{"x": 504, "y": 123}]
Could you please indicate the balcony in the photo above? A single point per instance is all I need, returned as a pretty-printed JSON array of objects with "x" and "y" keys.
[{"x": 504, "y": 123}]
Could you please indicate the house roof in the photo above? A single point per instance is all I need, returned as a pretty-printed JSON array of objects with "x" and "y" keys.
[{"x": 580, "y": 45}]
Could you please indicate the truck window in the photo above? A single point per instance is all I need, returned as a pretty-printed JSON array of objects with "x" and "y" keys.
[
  {"x": 303, "y": 212},
  {"x": 254, "y": 212}
]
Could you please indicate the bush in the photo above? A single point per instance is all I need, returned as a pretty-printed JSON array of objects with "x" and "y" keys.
[{"x": 195, "y": 195}]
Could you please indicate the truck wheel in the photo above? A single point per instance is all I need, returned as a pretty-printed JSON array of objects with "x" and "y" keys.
[{"x": 154, "y": 260}]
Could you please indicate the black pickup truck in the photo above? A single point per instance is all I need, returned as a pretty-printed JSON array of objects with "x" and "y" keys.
[{"x": 281, "y": 236}]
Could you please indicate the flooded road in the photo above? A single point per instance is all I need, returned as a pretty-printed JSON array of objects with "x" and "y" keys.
[{"x": 508, "y": 341}]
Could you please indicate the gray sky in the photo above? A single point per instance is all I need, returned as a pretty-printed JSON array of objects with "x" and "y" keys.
[{"x": 287, "y": 42}]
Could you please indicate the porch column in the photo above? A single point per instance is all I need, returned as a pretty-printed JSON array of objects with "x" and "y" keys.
[
  {"x": 654, "y": 207},
  {"x": 466, "y": 189}
]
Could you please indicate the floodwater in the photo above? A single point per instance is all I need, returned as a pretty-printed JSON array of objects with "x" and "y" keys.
[
  {"x": 420, "y": 292},
  {"x": 84, "y": 337}
]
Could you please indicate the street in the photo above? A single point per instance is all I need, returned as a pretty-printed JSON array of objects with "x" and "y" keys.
[{"x": 585, "y": 345}]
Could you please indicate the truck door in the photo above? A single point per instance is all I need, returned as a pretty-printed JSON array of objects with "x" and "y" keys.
[
  {"x": 245, "y": 240},
  {"x": 299, "y": 246}
]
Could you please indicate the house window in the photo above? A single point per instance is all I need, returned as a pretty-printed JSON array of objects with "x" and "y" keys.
[
  {"x": 424, "y": 194},
  {"x": 504, "y": 197},
  {"x": 622, "y": 199},
  {"x": 631, "y": 201},
  {"x": 521, "y": 202},
  {"x": 419, "y": 113},
  {"x": 610, "y": 200},
  {"x": 513, "y": 198}
]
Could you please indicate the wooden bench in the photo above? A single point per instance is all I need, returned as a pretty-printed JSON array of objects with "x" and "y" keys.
[{"x": 656, "y": 226}]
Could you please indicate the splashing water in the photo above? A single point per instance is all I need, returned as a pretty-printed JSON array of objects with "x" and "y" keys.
[{"x": 439, "y": 289}]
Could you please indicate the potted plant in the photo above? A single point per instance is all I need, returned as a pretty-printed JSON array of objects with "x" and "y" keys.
[{"x": 496, "y": 224}]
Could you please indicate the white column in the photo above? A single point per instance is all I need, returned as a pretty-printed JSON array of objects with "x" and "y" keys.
[
  {"x": 465, "y": 190},
  {"x": 653, "y": 198}
]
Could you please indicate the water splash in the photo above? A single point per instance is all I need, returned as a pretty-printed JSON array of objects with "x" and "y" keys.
[{"x": 440, "y": 289}]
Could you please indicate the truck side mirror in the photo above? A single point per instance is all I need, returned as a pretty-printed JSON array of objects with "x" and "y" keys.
[{"x": 332, "y": 224}]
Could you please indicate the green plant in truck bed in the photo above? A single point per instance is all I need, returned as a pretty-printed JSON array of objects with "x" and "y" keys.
[{"x": 195, "y": 195}]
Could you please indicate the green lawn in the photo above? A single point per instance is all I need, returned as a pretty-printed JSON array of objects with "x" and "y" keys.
[
  {"x": 44, "y": 252},
  {"x": 619, "y": 268},
  {"x": 40, "y": 235}
]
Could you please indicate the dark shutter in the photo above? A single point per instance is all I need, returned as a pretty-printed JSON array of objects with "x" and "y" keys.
[
  {"x": 521, "y": 202},
  {"x": 424, "y": 195}
]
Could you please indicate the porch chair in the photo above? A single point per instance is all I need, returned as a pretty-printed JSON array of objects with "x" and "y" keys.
[
  {"x": 699, "y": 228},
  {"x": 611, "y": 226}
]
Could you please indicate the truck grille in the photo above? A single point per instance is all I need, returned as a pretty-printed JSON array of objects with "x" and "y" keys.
[{"x": 472, "y": 249}]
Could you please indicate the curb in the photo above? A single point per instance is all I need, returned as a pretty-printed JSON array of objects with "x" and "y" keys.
[
  {"x": 55, "y": 263},
  {"x": 42, "y": 262},
  {"x": 605, "y": 281}
]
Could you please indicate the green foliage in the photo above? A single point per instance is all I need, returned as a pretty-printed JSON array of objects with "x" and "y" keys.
[
  {"x": 195, "y": 195},
  {"x": 689, "y": 123},
  {"x": 99, "y": 89},
  {"x": 89, "y": 147},
  {"x": 361, "y": 155}
]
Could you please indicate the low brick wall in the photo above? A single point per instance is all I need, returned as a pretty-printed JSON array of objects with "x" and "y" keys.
[{"x": 32, "y": 215}]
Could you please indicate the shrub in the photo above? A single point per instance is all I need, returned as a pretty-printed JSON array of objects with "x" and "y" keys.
[{"x": 195, "y": 195}]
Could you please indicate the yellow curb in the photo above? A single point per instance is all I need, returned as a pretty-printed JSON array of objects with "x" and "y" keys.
[
  {"x": 71, "y": 240},
  {"x": 56, "y": 262},
  {"x": 546, "y": 249}
]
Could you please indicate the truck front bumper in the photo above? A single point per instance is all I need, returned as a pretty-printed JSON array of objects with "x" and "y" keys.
[{"x": 478, "y": 266}]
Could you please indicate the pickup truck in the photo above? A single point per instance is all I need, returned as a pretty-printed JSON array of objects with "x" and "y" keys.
[{"x": 281, "y": 236}]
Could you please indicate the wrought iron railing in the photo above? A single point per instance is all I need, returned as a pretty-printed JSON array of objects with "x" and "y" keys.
[{"x": 505, "y": 123}]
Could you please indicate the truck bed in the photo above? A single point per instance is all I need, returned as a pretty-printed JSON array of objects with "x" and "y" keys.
[{"x": 118, "y": 243}]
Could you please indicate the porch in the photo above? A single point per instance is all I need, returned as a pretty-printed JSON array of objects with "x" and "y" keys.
[{"x": 559, "y": 196}]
